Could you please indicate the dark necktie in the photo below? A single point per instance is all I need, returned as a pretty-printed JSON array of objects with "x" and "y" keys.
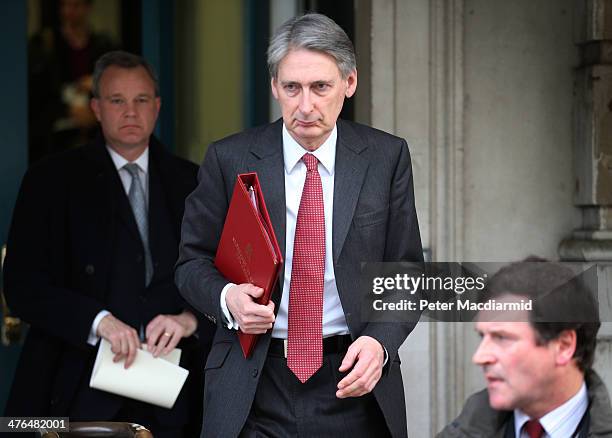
[
  {"x": 534, "y": 429},
  {"x": 138, "y": 202},
  {"x": 305, "y": 320}
]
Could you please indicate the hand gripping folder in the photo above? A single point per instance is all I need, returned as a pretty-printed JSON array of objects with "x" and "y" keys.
[{"x": 248, "y": 251}]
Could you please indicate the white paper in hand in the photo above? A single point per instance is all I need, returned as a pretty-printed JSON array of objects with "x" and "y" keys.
[{"x": 152, "y": 380}]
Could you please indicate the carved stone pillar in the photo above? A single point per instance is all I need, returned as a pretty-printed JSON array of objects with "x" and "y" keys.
[
  {"x": 593, "y": 161},
  {"x": 593, "y": 136}
]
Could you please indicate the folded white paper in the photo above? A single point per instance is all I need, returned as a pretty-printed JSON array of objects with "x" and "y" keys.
[{"x": 152, "y": 380}]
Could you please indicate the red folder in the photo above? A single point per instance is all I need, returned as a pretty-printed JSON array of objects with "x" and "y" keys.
[{"x": 248, "y": 251}]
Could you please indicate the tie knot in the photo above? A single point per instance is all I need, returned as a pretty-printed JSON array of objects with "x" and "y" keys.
[
  {"x": 311, "y": 162},
  {"x": 534, "y": 429},
  {"x": 132, "y": 168}
]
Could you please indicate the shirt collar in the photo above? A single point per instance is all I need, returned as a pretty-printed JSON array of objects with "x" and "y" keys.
[
  {"x": 558, "y": 416},
  {"x": 326, "y": 153},
  {"x": 142, "y": 161}
]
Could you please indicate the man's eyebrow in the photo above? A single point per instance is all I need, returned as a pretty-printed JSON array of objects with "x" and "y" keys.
[
  {"x": 318, "y": 81},
  {"x": 502, "y": 332},
  {"x": 110, "y": 96}
]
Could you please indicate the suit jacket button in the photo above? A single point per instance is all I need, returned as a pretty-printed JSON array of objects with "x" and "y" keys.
[
  {"x": 143, "y": 298},
  {"x": 255, "y": 372},
  {"x": 139, "y": 258},
  {"x": 89, "y": 269}
]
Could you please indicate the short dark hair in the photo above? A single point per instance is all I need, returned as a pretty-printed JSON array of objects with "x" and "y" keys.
[
  {"x": 121, "y": 59},
  {"x": 561, "y": 301}
]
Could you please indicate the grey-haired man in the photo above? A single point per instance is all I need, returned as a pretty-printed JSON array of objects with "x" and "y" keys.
[{"x": 338, "y": 194}]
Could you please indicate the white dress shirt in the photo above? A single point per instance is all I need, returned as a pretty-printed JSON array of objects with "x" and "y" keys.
[
  {"x": 560, "y": 422},
  {"x": 334, "y": 322},
  {"x": 126, "y": 180}
]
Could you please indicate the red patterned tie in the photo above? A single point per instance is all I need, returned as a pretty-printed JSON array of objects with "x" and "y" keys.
[
  {"x": 305, "y": 325},
  {"x": 534, "y": 429}
]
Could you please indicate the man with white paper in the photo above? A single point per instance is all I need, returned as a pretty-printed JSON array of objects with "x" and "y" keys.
[{"x": 91, "y": 255}]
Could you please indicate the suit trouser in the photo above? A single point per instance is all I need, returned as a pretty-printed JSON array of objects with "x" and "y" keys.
[{"x": 285, "y": 407}]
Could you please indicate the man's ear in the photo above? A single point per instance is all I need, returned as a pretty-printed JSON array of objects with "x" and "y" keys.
[
  {"x": 351, "y": 81},
  {"x": 273, "y": 85},
  {"x": 565, "y": 346},
  {"x": 94, "y": 103}
]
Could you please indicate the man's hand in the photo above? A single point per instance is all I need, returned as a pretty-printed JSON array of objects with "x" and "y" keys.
[
  {"x": 123, "y": 338},
  {"x": 369, "y": 354},
  {"x": 165, "y": 331},
  {"x": 252, "y": 318}
]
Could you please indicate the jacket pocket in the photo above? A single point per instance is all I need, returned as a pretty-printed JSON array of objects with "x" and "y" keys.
[
  {"x": 371, "y": 218},
  {"x": 217, "y": 355}
]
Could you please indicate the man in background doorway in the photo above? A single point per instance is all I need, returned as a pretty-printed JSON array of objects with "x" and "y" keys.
[
  {"x": 60, "y": 66},
  {"x": 91, "y": 254}
]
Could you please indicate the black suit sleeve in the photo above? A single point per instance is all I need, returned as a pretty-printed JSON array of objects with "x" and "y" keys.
[{"x": 36, "y": 265}]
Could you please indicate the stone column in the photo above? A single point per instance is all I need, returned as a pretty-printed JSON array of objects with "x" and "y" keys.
[
  {"x": 593, "y": 136},
  {"x": 592, "y": 243}
]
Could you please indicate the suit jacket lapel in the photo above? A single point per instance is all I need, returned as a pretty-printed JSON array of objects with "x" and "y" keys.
[
  {"x": 123, "y": 207},
  {"x": 156, "y": 201},
  {"x": 350, "y": 172},
  {"x": 266, "y": 159},
  {"x": 97, "y": 188},
  {"x": 164, "y": 206},
  {"x": 171, "y": 185},
  {"x": 510, "y": 433},
  {"x": 120, "y": 203}
]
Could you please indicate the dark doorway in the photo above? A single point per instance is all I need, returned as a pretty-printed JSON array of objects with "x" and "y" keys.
[
  {"x": 64, "y": 43},
  {"x": 343, "y": 13}
]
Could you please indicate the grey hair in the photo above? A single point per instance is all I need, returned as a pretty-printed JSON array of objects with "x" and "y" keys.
[
  {"x": 312, "y": 32},
  {"x": 119, "y": 58}
]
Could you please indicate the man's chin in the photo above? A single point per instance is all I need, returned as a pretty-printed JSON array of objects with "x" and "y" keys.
[
  {"x": 499, "y": 402},
  {"x": 308, "y": 136},
  {"x": 308, "y": 131},
  {"x": 133, "y": 141}
]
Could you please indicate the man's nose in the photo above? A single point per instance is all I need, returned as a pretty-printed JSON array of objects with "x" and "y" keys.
[
  {"x": 306, "y": 104},
  {"x": 483, "y": 354},
  {"x": 130, "y": 109}
]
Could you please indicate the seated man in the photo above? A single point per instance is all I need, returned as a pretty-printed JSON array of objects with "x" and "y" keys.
[{"x": 537, "y": 363}]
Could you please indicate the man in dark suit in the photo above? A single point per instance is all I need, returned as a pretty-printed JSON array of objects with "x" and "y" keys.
[
  {"x": 538, "y": 362},
  {"x": 338, "y": 194},
  {"x": 91, "y": 255}
]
